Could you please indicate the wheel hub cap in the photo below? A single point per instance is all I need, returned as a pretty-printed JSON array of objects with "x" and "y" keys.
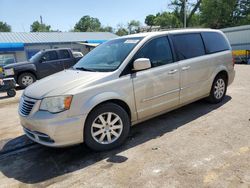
[
  {"x": 219, "y": 88},
  {"x": 27, "y": 80},
  {"x": 106, "y": 128}
]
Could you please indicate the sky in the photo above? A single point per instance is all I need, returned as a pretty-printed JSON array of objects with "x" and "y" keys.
[{"x": 63, "y": 14}]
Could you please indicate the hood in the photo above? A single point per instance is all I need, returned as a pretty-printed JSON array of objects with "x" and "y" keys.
[
  {"x": 13, "y": 65},
  {"x": 63, "y": 83}
]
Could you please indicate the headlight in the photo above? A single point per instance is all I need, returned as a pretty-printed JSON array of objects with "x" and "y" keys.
[
  {"x": 9, "y": 72},
  {"x": 56, "y": 104}
]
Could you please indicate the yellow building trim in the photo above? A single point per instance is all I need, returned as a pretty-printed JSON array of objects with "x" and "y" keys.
[{"x": 239, "y": 52}]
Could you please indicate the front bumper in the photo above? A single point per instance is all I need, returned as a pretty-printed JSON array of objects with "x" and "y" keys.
[{"x": 54, "y": 130}]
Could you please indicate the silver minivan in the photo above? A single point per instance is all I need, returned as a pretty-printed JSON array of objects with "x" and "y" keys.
[{"x": 126, "y": 81}]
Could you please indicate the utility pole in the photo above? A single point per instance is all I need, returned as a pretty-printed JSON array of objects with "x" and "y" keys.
[
  {"x": 41, "y": 20},
  {"x": 185, "y": 13},
  {"x": 42, "y": 27}
]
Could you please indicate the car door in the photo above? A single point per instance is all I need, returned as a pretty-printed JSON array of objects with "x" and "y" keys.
[
  {"x": 156, "y": 89},
  {"x": 194, "y": 66},
  {"x": 50, "y": 64},
  {"x": 65, "y": 58}
]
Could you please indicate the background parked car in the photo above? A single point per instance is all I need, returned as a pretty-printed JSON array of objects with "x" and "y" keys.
[
  {"x": 42, "y": 64},
  {"x": 77, "y": 54},
  {"x": 4, "y": 62},
  {"x": 241, "y": 56},
  {"x": 239, "y": 60}
]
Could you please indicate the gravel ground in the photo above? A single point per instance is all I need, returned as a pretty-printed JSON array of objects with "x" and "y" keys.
[{"x": 199, "y": 145}]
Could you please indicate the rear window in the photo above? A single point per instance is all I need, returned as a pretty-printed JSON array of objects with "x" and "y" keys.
[
  {"x": 188, "y": 45},
  {"x": 214, "y": 42},
  {"x": 64, "y": 54}
]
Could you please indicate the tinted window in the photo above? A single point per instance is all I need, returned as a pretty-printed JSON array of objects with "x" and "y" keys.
[
  {"x": 158, "y": 51},
  {"x": 214, "y": 42},
  {"x": 188, "y": 46},
  {"x": 64, "y": 54},
  {"x": 50, "y": 55}
]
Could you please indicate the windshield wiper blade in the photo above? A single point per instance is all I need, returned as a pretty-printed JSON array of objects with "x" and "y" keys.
[{"x": 84, "y": 69}]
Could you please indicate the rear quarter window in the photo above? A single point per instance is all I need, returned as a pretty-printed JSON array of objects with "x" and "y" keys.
[
  {"x": 214, "y": 42},
  {"x": 50, "y": 56},
  {"x": 64, "y": 54}
]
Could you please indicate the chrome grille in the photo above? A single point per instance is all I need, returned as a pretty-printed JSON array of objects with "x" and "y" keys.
[{"x": 26, "y": 105}]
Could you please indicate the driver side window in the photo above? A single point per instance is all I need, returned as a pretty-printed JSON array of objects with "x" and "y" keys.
[{"x": 158, "y": 51}]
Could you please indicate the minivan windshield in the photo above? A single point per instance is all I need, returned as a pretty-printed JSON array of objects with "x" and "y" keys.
[
  {"x": 108, "y": 56},
  {"x": 35, "y": 58}
]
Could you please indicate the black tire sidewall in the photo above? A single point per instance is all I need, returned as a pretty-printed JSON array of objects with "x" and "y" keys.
[
  {"x": 212, "y": 98},
  {"x": 11, "y": 93},
  {"x": 108, "y": 107},
  {"x": 19, "y": 80}
]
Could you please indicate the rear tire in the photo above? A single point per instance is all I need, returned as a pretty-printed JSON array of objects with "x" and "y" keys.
[
  {"x": 218, "y": 90},
  {"x": 26, "y": 79},
  {"x": 106, "y": 127},
  {"x": 11, "y": 93}
]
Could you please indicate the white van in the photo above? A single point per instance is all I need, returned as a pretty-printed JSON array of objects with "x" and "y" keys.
[{"x": 126, "y": 81}]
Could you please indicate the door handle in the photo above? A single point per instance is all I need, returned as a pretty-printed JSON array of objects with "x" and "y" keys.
[
  {"x": 173, "y": 71},
  {"x": 185, "y": 68}
]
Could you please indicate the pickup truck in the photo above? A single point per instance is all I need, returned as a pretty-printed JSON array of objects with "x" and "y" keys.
[{"x": 42, "y": 64}]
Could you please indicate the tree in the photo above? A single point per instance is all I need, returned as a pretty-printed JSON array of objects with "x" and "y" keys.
[
  {"x": 107, "y": 29},
  {"x": 39, "y": 27},
  {"x": 167, "y": 20},
  {"x": 195, "y": 21},
  {"x": 192, "y": 7},
  {"x": 4, "y": 27},
  {"x": 121, "y": 32},
  {"x": 150, "y": 20},
  {"x": 164, "y": 20},
  {"x": 134, "y": 26},
  {"x": 225, "y": 13},
  {"x": 87, "y": 23},
  {"x": 241, "y": 15}
]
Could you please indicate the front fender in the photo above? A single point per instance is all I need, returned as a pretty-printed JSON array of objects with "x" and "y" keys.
[
  {"x": 27, "y": 68},
  {"x": 118, "y": 89},
  {"x": 100, "y": 98}
]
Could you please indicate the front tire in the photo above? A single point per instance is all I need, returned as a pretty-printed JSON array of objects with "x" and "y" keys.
[
  {"x": 26, "y": 79},
  {"x": 106, "y": 127},
  {"x": 218, "y": 90}
]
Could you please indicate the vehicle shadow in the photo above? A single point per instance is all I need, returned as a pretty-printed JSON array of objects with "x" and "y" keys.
[
  {"x": 4, "y": 97},
  {"x": 42, "y": 163}
]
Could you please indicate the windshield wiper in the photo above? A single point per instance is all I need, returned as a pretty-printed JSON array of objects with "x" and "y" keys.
[{"x": 84, "y": 69}]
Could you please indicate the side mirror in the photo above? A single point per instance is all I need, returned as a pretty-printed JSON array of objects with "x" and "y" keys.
[
  {"x": 42, "y": 59},
  {"x": 141, "y": 64}
]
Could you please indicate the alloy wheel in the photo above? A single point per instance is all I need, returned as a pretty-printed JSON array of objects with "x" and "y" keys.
[
  {"x": 106, "y": 128},
  {"x": 219, "y": 88}
]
